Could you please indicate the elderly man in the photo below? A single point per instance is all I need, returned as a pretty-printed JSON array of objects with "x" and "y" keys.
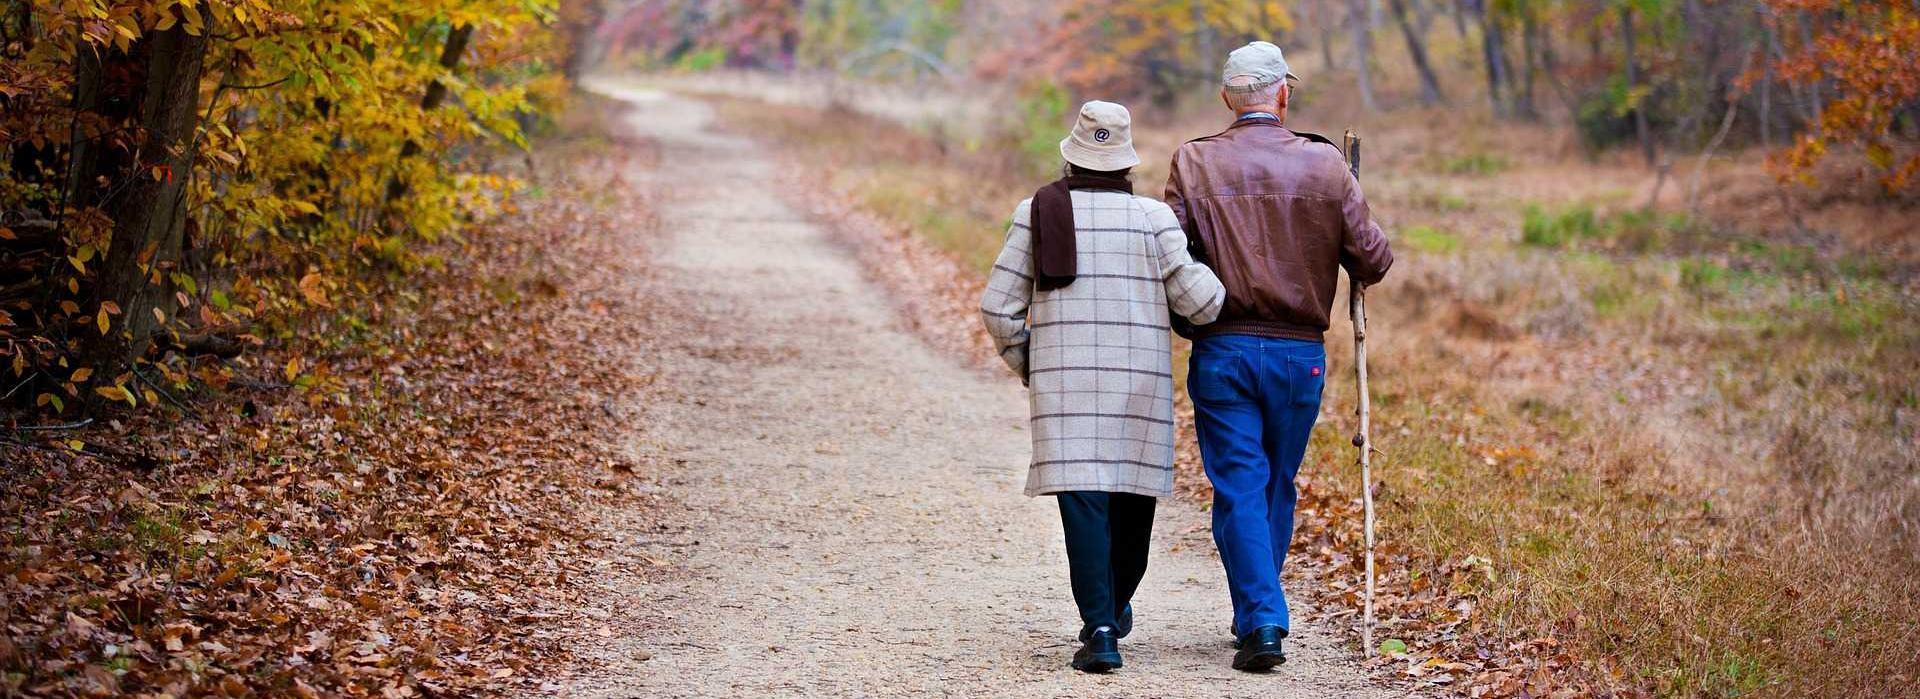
[{"x": 1276, "y": 214}]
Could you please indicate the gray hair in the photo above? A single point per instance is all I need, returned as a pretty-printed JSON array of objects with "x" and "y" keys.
[{"x": 1245, "y": 91}]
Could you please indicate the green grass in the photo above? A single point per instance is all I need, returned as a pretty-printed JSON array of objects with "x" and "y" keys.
[
  {"x": 1442, "y": 202},
  {"x": 1616, "y": 288},
  {"x": 1429, "y": 239},
  {"x": 1544, "y": 228},
  {"x": 1580, "y": 226},
  {"x": 1477, "y": 163},
  {"x": 156, "y": 532},
  {"x": 702, "y": 60},
  {"x": 1642, "y": 231},
  {"x": 1611, "y": 298},
  {"x": 1866, "y": 312},
  {"x": 1709, "y": 278}
]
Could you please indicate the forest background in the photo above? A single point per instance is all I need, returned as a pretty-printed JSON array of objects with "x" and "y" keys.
[{"x": 1649, "y": 365}]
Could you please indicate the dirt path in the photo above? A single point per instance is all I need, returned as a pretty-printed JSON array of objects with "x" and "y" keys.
[{"x": 846, "y": 500}]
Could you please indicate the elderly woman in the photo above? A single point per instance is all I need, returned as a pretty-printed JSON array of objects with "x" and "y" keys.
[{"x": 1078, "y": 305}]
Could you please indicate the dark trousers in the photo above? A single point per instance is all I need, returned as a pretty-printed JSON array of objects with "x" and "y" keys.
[{"x": 1107, "y": 537}]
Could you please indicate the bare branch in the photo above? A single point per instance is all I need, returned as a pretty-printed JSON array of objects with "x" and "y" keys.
[{"x": 55, "y": 428}]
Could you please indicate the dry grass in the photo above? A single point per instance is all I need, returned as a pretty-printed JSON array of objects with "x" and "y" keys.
[{"x": 1645, "y": 452}]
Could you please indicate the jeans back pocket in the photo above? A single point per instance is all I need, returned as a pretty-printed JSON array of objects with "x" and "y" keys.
[
  {"x": 1307, "y": 378},
  {"x": 1216, "y": 376}
]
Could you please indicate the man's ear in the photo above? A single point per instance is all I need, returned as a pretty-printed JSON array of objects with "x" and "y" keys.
[
  {"x": 1223, "y": 99},
  {"x": 1286, "y": 94}
]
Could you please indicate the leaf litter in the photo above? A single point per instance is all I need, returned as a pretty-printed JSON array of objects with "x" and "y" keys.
[{"x": 402, "y": 526}]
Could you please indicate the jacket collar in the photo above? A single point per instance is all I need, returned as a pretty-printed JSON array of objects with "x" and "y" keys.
[{"x": 1252, "y": 122}]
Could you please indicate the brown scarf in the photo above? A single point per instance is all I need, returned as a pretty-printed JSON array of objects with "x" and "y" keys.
[{"x": 1054, "y": 253}]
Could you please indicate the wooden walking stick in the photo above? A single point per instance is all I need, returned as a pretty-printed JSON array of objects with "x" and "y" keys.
[{"x": 1357, "y": 306}]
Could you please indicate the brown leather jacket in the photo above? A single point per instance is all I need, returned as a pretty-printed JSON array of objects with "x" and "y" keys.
[{"x": 1275, "y": 213}]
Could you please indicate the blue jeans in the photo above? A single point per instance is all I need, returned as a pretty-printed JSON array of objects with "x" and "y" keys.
[{"x": 1255, "y": 400}]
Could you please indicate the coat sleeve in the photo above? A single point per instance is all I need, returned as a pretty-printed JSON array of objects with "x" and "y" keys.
[
  {"x": 1193, "y": 291},
  {"x": 1176, "y": 195},
  {"x": 1363, "y": 247},
  {"x": 1003, "y": 307},
  {"x": 1177, "y": 201}
]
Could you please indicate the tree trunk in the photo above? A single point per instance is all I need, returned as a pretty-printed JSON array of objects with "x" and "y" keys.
[
  {"x": 1429, "y": 84},
  {"x": 157, "y": 82},
  {"x": 582, "y": 50},
  {"x": 450, "y": 53},
  {"x": 1640, "y": 126},
  {"x": 1766, "y": 90},
  {"x": 1703, "y": 60},
  {"x": 1506, "y": 60},
  {"x": 1801, "y": 114},
  {"x": 1819, "y": 104},
  {"x": 1203, "y": 37},
  {"x": 1325, "y": 10},
  {"x": 1530, "y": 47},
  {"x": 1422, "y": 14},
  {"x": 22, "y": 24},
  {"x": 1490, "y": 52},
  {"x": 1363, "y": 51},
  {"x": 1550, "y": 64}
]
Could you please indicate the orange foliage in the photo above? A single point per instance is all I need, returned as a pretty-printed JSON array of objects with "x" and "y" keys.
[
  {"x": 1867, "y": 55},
  {"x": 1108, "y": 47}
]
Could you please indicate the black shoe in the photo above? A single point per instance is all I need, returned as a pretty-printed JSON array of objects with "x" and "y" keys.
[
  {"x": 1100, "y": 653},
  {"x": 1122, "y": 625},
  {"x": 1260, "y": 649}
]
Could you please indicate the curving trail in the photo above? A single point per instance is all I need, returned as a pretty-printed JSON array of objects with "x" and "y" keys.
[{"x": 846, "y": 500}]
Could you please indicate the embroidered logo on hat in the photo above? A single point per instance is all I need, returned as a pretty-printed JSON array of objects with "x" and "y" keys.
[{"x": 1101, "y": 138}]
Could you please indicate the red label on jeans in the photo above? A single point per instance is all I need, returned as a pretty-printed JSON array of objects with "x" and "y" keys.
[{"x": 1316, "y": 371}]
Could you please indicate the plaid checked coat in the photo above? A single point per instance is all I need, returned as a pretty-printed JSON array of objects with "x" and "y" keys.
[{"x": 1098, "y": 354}]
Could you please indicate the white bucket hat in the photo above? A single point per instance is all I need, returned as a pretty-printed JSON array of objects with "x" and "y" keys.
[{"x": 1102, "y": 138}]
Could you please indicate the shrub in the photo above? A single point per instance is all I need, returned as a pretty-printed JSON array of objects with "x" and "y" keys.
[
  {"x": 1557, "y": 229},
  {"x": 1043, "y": 118}
]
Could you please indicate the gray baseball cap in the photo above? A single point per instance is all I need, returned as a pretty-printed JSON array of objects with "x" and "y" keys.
[{"x": 1259, "y": 61}]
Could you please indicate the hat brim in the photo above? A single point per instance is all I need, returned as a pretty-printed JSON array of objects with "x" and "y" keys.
[
  {"x": 1098, "y": 159},
  {"x": 1289, "y": 78}
]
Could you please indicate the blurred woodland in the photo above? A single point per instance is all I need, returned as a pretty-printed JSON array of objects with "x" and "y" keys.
[
  {"x": 1665, "y": 77},
  {"x": 301, "y": 302}
]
